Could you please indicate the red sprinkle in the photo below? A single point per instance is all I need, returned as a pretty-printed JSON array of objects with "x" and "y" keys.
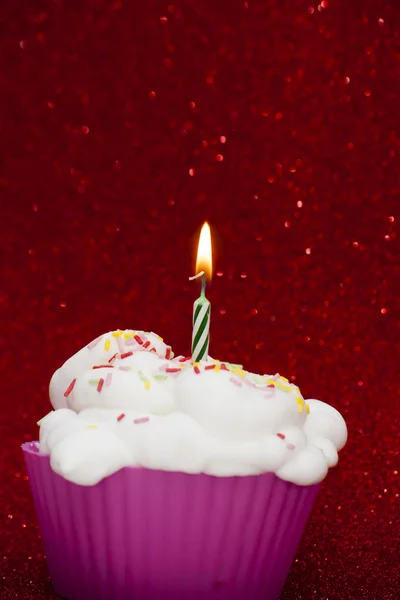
[
  {"x": 146, "y": 345},
  {"x": 184, "y": 359},
  {"x": 138, "y": 339},
  {"x": 271, "y": 385},
  {"x": 281, "y": 436},
  {"x": 100, "y": 385},
  {"x": 168, "y": 352},
  {"x": 224, "y": 367},
  {"x": 121, "y": 416},
  {"x": 113, "y": 357},
  {"x": 153, "y": 350},
  {"x": 126, "y": 354},
  {"x": 141, "y": 420},
  {"x": 209, "y": 367},
  {"x": 172, "y": 370},
  {"x": 69, "y": 388},
  {"x": 196, "y": 370},
  {"x": 103, "y": 367}
]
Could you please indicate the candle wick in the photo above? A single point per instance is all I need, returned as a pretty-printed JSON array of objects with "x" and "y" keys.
[{"x": 196, "y": 276}]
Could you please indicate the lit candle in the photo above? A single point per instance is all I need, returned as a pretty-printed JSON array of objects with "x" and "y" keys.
[{"x": 202, "y": 307}]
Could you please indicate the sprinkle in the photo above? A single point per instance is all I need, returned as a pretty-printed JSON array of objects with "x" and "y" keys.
[
  {"x": 130, "y": 341},
  {"x": 173, "y": 370},
  {"x": 147, "y": 385},
  {"x": 184, "y": 359},
  {"x": 116, "y": 333},
  {"x": 100, "y": 385},
  {"x": 103, "y": 367},
  {"x": 107, "y": 345},
  {"x": 209, "y": 367},
  {"x": 275, "y": 377},
  {"x": 93, "y": 381},
  {"x": 126, "y": 354},
  {"x": 196, "y": 370},
  {"x": 120, "y": 344},
  {"x": 160, "y": 338},
  {"x": 153, "y": 350},
  {"x": 168, "y": 352},
  {"x": 113, "y": 357},
  {"x": 224, "y": 367},
  {"x": 141, "y": 420},
  {"x": 69, "y": 388},
  {"x": 92, "y": 426},
  {"x": 283, "y": 378},
  {"x": 238, "y": 371},
  {"x": 235, "y": 381},
  {"x": 217, "y": 368},
  {"x": 138, "y": 339},
  {"x": 307, "y": 409},
  {"x": 271, "y": 385},
  {"x": 121, "y": 416},
  {"x": 146, "y": 344},
  {"x": 196, "y": 364},
  {"x": 281, "y": 436},
  {"x": 124, "y": 369},
  {"x": 95, "y": 342},
  {"x": 161, "y": 377},
  {"x": 108, "y": 379},
  {"x": 290, "y": 446},
  {"x": 128, "y": 336}
]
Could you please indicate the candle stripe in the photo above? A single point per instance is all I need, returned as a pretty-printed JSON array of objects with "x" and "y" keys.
[{"x": 200, "y": 324}]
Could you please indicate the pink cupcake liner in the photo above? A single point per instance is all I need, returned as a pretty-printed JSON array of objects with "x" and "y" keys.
[{"x": 149, "y": 535}]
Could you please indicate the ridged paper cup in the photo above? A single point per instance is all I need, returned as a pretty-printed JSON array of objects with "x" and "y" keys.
[{"x": 153, "y": 535}]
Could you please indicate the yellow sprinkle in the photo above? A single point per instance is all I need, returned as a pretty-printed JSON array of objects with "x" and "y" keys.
[
  {"x": 217, "y": 368},
  {"x": 196, "y": 364},
  {"x": 129, "y": 335},
  {"x": 107, "y": 344},
  {"x": 299, "y": 409},
  {"x": 160, "y": 338},
  {"x": 283, "y": 379},
  {"x": 147, "y": 385},
  {"x": 280, "y": 385},
  {"x": 239, "y": 372},
  {"x": 307, "y": 409},
  {"x": 301, "y": 404},
  {"x": 92, "y": 426},
  {"x": 116, "y": 333}
]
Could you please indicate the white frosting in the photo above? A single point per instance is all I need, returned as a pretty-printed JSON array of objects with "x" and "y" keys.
[{"x": 148, "y": 409}]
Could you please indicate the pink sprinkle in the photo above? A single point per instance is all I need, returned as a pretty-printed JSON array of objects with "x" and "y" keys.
[
  {"x": 196, "y": 370},
  {"x": 275, "y": 377},
  {"x": 146, "y": 344},
  {"x": 236, "y": 382},
  {"x": 168, "y": 352},
  {"x": 290, "y": 446},
  {"x": 113, "y": 357},
  {"x": 121, "y": 416},
  {"x": 69, "y": 388},
  {"x": 126, "y": 354},
  {"x": 120, "y": 344},
  {"x": 141, "y": 420},
  {"x": 138, "y": 339},
  {"x": 281, "y": 436},
  {"x": 95, "y": 342},
  {"x": 108, "y": 379},
  {"x": 124, "y": 368},
  {"x": 100, "y": 385},
  {"x": 250, "y": 383}
]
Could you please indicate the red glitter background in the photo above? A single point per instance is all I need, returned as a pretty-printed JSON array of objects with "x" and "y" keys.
[{"x": 124, "y": 125}]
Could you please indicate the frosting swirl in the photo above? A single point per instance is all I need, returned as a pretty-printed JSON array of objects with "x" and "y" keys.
[{"x": 123, "y": 400}]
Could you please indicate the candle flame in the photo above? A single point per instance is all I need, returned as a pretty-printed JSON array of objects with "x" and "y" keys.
[{"x": 204, "y": 252}]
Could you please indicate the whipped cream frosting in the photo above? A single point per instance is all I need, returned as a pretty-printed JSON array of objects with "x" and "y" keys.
[{"x": 124, "y": 400}]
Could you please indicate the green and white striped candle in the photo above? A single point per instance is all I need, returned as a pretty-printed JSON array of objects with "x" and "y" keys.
[
  {"x": 202, "y": 307},
  {"x": 201, "y": 324}
]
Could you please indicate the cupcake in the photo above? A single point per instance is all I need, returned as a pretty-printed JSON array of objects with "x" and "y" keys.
[{"x": 156, "y": 477}]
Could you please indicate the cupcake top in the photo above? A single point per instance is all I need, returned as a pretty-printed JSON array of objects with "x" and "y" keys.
[{"x": 124, "y": 400}]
